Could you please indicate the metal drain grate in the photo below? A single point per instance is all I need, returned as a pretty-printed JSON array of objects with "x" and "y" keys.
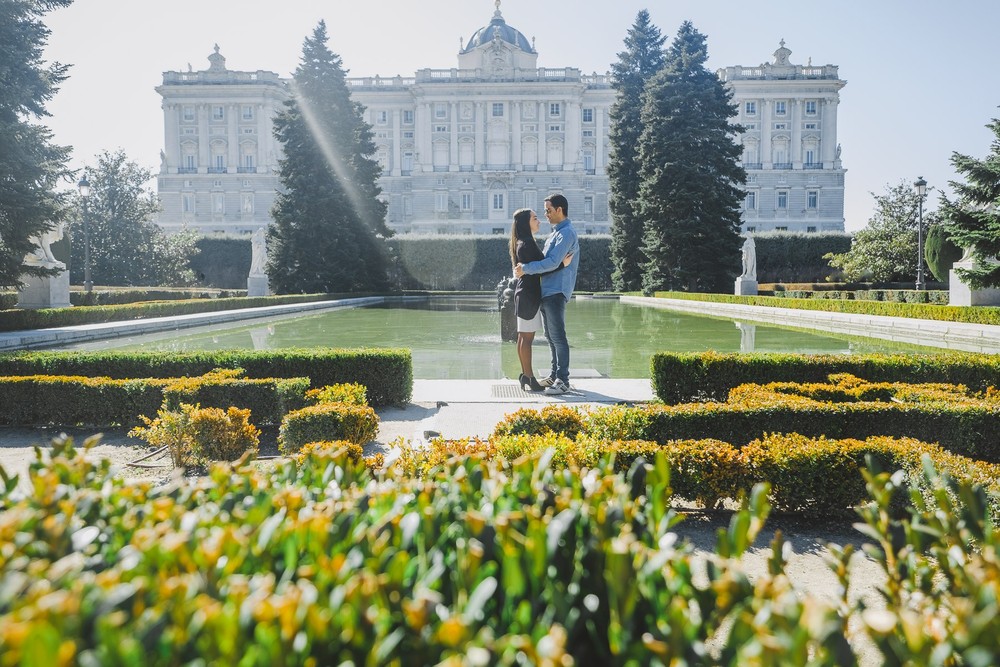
[{"x": 510, "y": 391}]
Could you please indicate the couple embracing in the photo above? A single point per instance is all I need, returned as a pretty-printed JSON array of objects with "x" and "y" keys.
[{"x": 546, "y": 279}]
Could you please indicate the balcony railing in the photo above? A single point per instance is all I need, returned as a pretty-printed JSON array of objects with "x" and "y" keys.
[
  {"x": 216, "y": 170},
  {"x": 812, "y": 165},
  {"x": 782, "y": 165},
  {"x": 187, "y": 170},
  {"x": 246, "y": 170},
  {"x": 751, "y": 165}
]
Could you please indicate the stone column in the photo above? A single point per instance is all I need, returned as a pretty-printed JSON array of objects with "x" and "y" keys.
[
  {"x": 426, "y": 146},
  {"x": 515, "y": 120},
  {"x": 829, "y": 148},
  {"x": 203, "y": 140},
  {"x": 171, "y": 138},
  {"x": 765, "y": 134},
  {"x": 599, "y": 140},
  {"x": 265, "y": 161},
  {"x": 796, "y": 148},
  {"x": 397, "y": 141},
  {"x": 480, "y": 120},
  {"x": 453, "y": 156},
  {"x": 571, "y": 159},
  {"x": 543, "y": 148},
  {"x": 233, "y": 139}
]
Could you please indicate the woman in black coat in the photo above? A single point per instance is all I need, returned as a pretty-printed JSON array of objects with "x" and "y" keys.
[{"x": 528, "y": 293}]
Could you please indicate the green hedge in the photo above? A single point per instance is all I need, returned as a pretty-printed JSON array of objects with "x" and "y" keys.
[
  {"x": 19, "y": 320},
  {"x": 117, "y": 297},
  {"x": 327, "y": 422},
  {"x": 101, "y": 401},
  {"x": 678, "y": 377},
  {"x": 960, "y": 422},
  {"x": 924, "y": 311},
  {"x": 796, "y": 257},
  {"x": 387, "y": 374},
  {"x": 222, "y": 261},
  {"x": 893, "y": 295}
]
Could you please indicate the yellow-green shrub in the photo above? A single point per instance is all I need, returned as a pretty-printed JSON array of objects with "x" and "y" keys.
[
  {"x": 327, "y": 451},
  {"x": 350, "y": 393},
  {"x": 327, "y": 421},
  {"x": 550, "y": 419},
  {"x": 223, "y": 435},
  {"x": 268, "y": 399}
]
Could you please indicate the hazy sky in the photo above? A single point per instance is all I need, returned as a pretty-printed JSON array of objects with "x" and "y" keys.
[{"x": 923, "y": 76}]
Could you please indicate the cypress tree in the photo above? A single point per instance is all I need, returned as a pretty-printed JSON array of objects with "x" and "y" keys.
[
  {"x": 329, "y": 223},
  {"x": 642, "y": 58},
  {"x": 972, "y": 221},
  {"x": 31, "y": 167},
  {"x": 689, "y": 198}
]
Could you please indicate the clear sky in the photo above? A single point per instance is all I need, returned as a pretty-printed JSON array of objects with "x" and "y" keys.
[{"x": 923, "y": 76}]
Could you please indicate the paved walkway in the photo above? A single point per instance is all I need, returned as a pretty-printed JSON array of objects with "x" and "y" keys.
[{"x": 472, "y": 408}]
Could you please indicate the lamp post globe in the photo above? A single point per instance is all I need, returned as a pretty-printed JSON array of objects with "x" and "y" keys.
[
  {"x": 920, "y": 187},
  {"x": 84, "y": 188}
]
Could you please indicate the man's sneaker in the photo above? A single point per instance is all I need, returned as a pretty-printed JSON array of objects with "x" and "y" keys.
[
  {"x": 547, "y": 381},
  {"x": 558, "y": 387}
]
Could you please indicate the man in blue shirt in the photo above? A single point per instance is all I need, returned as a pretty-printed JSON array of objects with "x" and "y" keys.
[{"x": 557, "y": 288}]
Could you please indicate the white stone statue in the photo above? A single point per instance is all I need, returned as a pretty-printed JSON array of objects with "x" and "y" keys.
[
  {"x": 42, "y": 255},
  {"x": 258, "y": 258},
  {"x": 749, "y": 259}
]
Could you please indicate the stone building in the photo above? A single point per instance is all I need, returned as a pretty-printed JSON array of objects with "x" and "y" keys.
[
  {"x": 463, "y": 148},
  {"x": 795, "y": 179}
]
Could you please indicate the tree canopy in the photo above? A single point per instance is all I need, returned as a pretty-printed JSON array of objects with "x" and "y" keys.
[
  {"x": 692, "y": 183},
  {"x": 31, "y": 166},
  {"x": 886, "y": 249},
  {"x": 127, "y": 247},
  {"x": 329, "y": 221},
  {"x": 972, "y": 220},
  {"x": 642, "y": 58}
]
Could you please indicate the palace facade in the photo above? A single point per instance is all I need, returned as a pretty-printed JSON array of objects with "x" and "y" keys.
[{"x": 461, "y": 149}]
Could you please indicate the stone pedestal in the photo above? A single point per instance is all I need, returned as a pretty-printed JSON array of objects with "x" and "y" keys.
[
  {"x": 961, "y": 294},
  {"x": 257, "y": 285},
  {"x": 745, "y": 287},
  {"x": 45, "y": 292}
]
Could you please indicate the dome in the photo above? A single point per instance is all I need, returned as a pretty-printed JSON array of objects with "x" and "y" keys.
[{"x": 498, "y": 28}]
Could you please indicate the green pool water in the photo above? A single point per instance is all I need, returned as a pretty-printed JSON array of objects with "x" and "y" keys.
[{"x": 459, "y": 337}]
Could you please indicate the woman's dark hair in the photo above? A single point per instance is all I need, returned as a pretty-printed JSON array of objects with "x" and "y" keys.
[{"x": 520, "y": 230}]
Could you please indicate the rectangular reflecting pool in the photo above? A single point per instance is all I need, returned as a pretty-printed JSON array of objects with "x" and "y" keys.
[{"x": 459, "y": 337}]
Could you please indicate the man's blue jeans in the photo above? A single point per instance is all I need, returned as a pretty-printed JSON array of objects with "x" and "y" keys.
[{"x": 554, "y": 316}]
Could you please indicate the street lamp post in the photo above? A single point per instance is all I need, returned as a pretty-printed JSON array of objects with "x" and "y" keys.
[
  {"x": 920, "y": 187},
  {"x": 84, "y": 186}
]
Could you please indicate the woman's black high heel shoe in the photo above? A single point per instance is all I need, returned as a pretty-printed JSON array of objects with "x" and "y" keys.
[
  {"x": 522, "y": 380},
  {"x": 533, "y": 383}
]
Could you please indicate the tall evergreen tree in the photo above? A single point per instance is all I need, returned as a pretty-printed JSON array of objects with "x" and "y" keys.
[
  {"x": 30, "y": 165},
  {"x": 126, "y": 246},
  {"x": 329, "y": 223},
  {"x": 972, "y": 221},
  {"x": 692, "y": 184},
  {"x": 642, "y": 58}
]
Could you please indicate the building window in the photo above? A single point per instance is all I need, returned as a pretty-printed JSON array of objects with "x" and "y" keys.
[
  {"x": 440, "y": 128},
  {"x": 810, "y": 156},
  {"x": 751, "y": 201},
  {"x": 811, "y": 229},
  {"x": 588, "y": 205},
  {"x": 441, "y": 202},
  {"x": 588, "y": 133},
  {"x": 498, "y": 201},
  {"x": 407, "y": 163},
  {"x": 812, "y": 199},
  {"x": 530, "y": 198},
  {"x": 555, "y": 128},
  {"x": 249, "y": 130},
  {"x": 188, "y": 114},
  {"x": 750, "y": 126},
  {"x": 466, "y": 201},
  {"x": 248, "y": 159},
  {"x": 588, "y": 115},
  {"x": 440, "y": 111},
  {"x": 779, "y": 108},
  {"x": 499, "y": 230},
  {"x": 218, "y": 113},
  {"x": 751, "y": 230},
  {"x": 588, "y": 161},
  {"x": 530, "y": 180},
  {"x": 247, "y": 112},
  {"x": 555, "y": 110},
  {"x": 530, "y": 128},
  {"x": 408, "y": 117},
  {"x": 781, "y": 229},
  {"x": 382, "y": 117},
  {"x": 247, "y": 202},
  {"x": 189, "y": 162},
  {"x": 810, "y": 126},
  {"x": 408, "y": 135},
  {"x": 750, "y": 108},
  {"x": 810, "y": 107},
  {"x": 220, "y": 162},
  {"x": 781, "y": 126},
  {"x": 782, "y": 199},
  {"x": 498, "y": 109},
  {"x": 187, "y": 203},
  {"x": 218, "y": 203}
]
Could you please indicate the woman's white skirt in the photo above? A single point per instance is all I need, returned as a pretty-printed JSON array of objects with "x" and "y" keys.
[{"x": 530, "y": 326}]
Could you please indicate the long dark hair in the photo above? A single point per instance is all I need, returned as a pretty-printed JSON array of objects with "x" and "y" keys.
[{"x": 520, "y": 230}]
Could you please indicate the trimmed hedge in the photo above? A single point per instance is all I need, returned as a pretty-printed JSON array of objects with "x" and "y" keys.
[
  {"x": 103, "y": 401},
  {"x": 959, "y": 422},
  {"x": 44, "y": 318},
  {"x": 923, "y": 311},
  {"x": 679, "y": 377},
  {"x": 387, "y": 374},
  {"x": 325, "y": 422},
  {"x": 940, "y": 297}
]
